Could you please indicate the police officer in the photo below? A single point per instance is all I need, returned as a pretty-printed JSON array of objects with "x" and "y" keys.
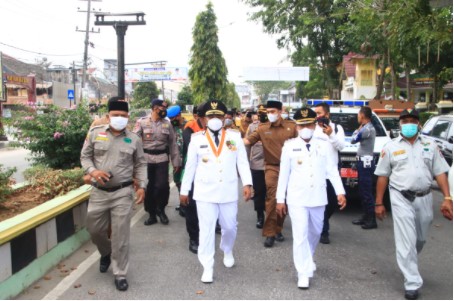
[
  {"x": 229, "y": 121},
  {"x": 365, "y": 136},
  {"x": 113, "y": 156},
  {"x": 273, "y": 134},
  {"x": 257, "y": 163},
  {"x": 159, "y": 142},
  {"x": 306, "y": 163},
  {"x": 333, "y": 134},
  {"x": 409, "y": 163},
  {"x": 215, "y": 157}
]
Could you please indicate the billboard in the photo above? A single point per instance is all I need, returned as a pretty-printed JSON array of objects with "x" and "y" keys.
[
  {"x": 276, "y": 74},
  {"x": 141, "y": 73}
]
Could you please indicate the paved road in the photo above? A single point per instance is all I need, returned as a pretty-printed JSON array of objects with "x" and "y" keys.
[
  {"x": 14, "y": 157},
  {"x": 358, "y": 264}
]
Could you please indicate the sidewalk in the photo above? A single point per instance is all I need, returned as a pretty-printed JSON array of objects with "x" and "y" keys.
[{"x": 357, "y": 264}]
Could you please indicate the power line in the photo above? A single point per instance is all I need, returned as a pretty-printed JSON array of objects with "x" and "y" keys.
[{"x": 40, "y": 53}]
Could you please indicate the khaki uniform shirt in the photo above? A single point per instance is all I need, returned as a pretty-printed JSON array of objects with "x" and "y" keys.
[
  {"x": 255, "y": 152},
  {"x": 273, "y": 137},
  {"x": 411, "y": 167},
  {"x": 121, "y": 155},
  {"x": 158, "y": 136}
]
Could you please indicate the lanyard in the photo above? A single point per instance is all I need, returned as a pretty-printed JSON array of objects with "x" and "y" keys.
[{"x": 218, "y": 151}]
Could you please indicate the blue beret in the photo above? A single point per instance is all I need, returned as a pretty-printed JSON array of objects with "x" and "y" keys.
[{"x": 173, "y": 111}]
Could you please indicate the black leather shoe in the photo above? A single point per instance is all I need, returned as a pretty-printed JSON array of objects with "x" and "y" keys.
[
  {"x": 121, "y": 284},
  {"x": 259, "y": 223},
  {"x": 280, "y": 237},
  {"x": 193, "y": 246},
  {"x": 269, "y": 242},
  {"x": 370, "y": 222},
  {"x": 411, "y": 295},
  {"x": 181, "y": 211},
  {"x": 324, "y": 239},
  {"x": 163, "y": 217},
  {"x": 150, "y": 221},
  {"x": 359, "y": 221},
  {"x": 104, "y": 263}
]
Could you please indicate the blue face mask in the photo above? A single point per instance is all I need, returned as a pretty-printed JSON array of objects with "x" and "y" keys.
[{"x": 409, "y": 130}]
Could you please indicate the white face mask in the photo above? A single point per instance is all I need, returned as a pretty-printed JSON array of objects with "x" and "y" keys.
[
  {"x": 228, "y": 122},
  {"x": 118, "y": 123},
  {"x": 272, "y": 117},
  {"x": 214, "y": 124},
  {"x": 306, "y": 133}
]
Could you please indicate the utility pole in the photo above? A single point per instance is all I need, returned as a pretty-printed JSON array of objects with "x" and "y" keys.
[
  {"x": 120, "y": 28},
  {"x": 74, "y": 83},
  {"x": 87, "y": 34}
]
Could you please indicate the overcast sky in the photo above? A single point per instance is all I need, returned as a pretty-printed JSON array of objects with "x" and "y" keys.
[{"x": 48, "y": 27}]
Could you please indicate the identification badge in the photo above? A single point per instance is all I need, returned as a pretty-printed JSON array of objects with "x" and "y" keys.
[
  {"x": 297, "y": 149},
  {"x": 399, "y": 152},
  {"x": 127, "y": 140},
  {"x": 204, "y": 146},
  {"x": 165, "y": 126},
  {"x": 101, "y": 138},
  {"x": 231, "y": 145}
]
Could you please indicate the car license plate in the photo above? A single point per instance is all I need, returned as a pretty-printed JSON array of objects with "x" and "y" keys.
[{"x": 349, "y": 173}]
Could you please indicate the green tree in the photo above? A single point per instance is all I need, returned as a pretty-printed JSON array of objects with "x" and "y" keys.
[
  {"x": 232, "y": 99},
  {"x": 264, "y": 88},
  {"x": 309, "y": 26},
  {"x": 208, "y": 71},
  {"x": 143, "y": 94},
  {"x": 185, "y": 96}
]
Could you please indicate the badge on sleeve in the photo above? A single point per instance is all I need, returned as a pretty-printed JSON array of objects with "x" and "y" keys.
[{"x": 383, "y": 153}]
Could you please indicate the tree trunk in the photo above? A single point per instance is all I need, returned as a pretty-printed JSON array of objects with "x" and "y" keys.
[
  {"x": 393, "y": 82},
  {"x": 407, "y": 79},
  {"x": 381, "y": 77}
]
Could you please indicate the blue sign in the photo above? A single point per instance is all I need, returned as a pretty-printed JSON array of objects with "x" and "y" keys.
[{"x": 70, "y": 94}]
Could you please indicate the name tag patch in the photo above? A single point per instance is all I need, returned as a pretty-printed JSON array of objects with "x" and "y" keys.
[
  {"x": 100, "y": 138},
  {"x": 204, "y": 146},
  {"x": 297, "y": 149},
  {"x": 399, "y": 152}
]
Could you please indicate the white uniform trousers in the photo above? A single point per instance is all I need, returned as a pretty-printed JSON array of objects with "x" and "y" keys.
[
  {"x": 208, "y": 213},
  {"x": 307, "y": 225},
  {"x": 411, "y": 223}
]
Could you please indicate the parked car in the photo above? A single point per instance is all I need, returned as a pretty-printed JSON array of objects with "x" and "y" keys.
[{"x": 440, "y": 129}]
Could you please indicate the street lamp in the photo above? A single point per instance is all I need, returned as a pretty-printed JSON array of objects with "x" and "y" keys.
[{"x": 120, "y": 28}]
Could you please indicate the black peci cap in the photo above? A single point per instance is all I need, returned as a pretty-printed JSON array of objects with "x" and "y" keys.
[
  {"x": 304, "y": 116},
  {"x": 214, "y": 107},
  {"x": 405, "y": 113},
  {"x": 117, "y": 104}
]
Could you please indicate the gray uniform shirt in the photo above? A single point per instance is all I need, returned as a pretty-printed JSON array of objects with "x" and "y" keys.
[
  {"x": 366, "y": 138},
  {"x": 121, "y": 155},
  {"x": 158, "y": 135},
  {"x": 255, "y": 152},
  {"x": 411, "y": 167}
]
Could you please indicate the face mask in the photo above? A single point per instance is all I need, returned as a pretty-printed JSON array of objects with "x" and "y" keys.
[
  {"x": 306, "y": 133},
  {"x": 214, "y": 124},
  {"x": 409, "y": 130},
  {"x": 284, "y": 116},
  {"x": 162, "y": 113},
  {"x": 118, "y": 123},
  {"x": 175, "y": 122},
  {"x": 272, "y": 117},
  {"x": 228, "y": 122},
  {"x": 263, "y": 118}
]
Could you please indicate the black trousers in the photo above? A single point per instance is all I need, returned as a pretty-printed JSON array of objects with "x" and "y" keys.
[
  {"x": 158, "y": 189},
  {"x": 258, "y": 182},
  {"x": 330, "y": 208},
  {"x": 192, "y": 219}
]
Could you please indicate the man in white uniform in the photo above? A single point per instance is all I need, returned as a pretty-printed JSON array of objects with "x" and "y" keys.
[
  {"x": 305, "y": 166},
  {"x": 214, "y": 159},
  {"x": 409, "y": 163}
]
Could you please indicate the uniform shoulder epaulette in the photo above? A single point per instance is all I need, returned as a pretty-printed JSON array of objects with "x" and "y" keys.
[
  {"x": 264, "y": 123},
  {"x": 197, "y": 133},
  {"x": 233, "y": 130},
  {"x": 289, "y": 121},
  {"x": 97, "y": 127}
]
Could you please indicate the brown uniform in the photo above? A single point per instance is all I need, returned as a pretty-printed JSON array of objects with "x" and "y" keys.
[
  {"x": 159, "y": 141},
  {"x": 273, "y": 136},
  {"x": 121, "y": 155},
  {"x": 244, "y": 126}
]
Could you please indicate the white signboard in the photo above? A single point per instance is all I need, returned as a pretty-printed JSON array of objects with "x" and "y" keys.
[
  {"x": 145, "y": 73},
  {"x": 276, "y": 74}
]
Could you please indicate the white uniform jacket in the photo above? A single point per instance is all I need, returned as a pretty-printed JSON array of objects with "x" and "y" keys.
[
  {"x": 303, "y": 173},
  {"x": 216, "y": 178}
]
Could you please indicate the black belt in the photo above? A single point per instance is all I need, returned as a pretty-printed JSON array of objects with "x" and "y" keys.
[
  {"x": 155, "y": 152},
  {"x": 411, "y": 195},
  {"x": 114, "y": 188}
]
